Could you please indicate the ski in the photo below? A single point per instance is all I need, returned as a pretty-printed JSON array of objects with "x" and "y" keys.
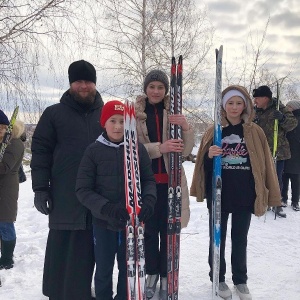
[
  {"x": 217, "y": 180},
  {"x": 275, "y": 140},
  {"x": 134, "y": 230},
  {"x": 174, "y": 189},
  {"x": 8, "y": 132}
]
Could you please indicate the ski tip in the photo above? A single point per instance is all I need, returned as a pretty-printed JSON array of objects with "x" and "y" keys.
[
  {"x": 173, "y": 60},
  {"x": 219, "y": 50},
  {"x": 16, "y": 110},
  {"x": 180, "y": 59}
]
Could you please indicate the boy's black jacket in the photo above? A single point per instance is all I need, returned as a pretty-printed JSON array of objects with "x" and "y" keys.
[{"x": 100, "y": 180}]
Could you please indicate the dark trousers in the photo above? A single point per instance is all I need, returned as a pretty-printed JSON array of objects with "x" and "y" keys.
[
  {"x": 69, "y": 265},
  {"x": 108, "y": 244},
  {"x": 279, "y": 171},
  {"x": 240, "y": 223},
  {"x": 295, "y": 186},
  {"x": 156, "y": 235}
]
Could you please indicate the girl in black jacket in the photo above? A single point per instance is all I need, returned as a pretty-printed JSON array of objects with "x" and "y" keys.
[{"x": 100, "y": 187}]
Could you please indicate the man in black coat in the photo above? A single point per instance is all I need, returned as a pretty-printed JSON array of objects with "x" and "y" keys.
[
  {"x": 62, "y": 134},
  {"x": 292, "y": 165}
]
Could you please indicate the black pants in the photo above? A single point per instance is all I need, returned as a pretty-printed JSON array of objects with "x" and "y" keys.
[
  {"x": 156, "y": 235},
  {"x": 240, "y": 223},
  {"x": 108, "y": 244},
  {"x": 295, "y": 186},
  {"x": 279, "y": 171},
  {"x": 69, "y": 265}
]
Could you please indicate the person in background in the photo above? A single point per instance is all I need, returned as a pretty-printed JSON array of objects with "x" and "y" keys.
[
  {"x": 61, "y": 136},
  {"x": 9, "y": 189},
  {"x": 292, "y": 166},
  {"x": 100, "y": 187},
  {"x": 153, "y": 118},
  {"x": 266, "y": 113},
  {"x": 249, "y": 183}
]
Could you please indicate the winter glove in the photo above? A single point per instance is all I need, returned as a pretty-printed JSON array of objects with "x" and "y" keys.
[
  {"x": 278, "y": 115},
  {"x": 116, "y": 211},
  {"x": 43, "y": 202},
  {"x": 147, "y": 209}
]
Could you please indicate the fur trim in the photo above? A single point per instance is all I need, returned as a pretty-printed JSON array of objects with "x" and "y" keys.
[
  {"x": 248, "y": 113},
  {"x": 140, "y": 105},
  {"x": 18, "y": 129}
]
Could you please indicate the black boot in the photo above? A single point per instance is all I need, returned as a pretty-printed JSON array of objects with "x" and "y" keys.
[
  {"x": 279, "y": 212},
  {"x": 7, "y": 252}
]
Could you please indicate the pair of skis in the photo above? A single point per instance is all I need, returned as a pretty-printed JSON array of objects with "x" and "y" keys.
[
  {"x": 217, "y": 180},
  {"x": 8, "y": 132},
  {"x": 174, "y": 189},
  {"x": 134, "y": 229}
]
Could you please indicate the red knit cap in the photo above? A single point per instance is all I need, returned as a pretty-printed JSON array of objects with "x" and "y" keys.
[{"x": 113, "y": 107}]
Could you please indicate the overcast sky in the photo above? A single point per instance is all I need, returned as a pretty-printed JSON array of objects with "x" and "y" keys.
[{"x": 235, "y": 19}]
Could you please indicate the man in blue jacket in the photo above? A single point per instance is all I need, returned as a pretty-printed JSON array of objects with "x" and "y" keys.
[{"x": 62, "y": 134}]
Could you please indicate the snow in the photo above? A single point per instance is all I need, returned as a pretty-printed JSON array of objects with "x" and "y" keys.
[{"x": 273, "y": 254}]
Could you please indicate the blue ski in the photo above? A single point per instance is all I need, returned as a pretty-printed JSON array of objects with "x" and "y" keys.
[{"x": 217, "y": 180}]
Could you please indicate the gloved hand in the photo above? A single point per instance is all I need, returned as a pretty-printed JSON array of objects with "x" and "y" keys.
[
  {"x": 116, "y": 211},
  {"x": 278, "y": 115},
  {"x": 43, "y": 202},
  {"x": 147, "y": 209},
  {"x": 145, "y": 213}
]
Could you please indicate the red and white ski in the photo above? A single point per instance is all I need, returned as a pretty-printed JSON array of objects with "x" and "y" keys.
[
  {"x": 134, "y": 229},
  {"x": 174, "y": 190}
]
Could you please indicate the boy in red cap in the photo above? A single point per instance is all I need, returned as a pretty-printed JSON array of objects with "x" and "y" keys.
[{"x": 100, "y": 187}]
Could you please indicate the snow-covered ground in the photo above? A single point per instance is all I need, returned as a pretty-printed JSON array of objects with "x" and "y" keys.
[{"x": 273, "y": 254}]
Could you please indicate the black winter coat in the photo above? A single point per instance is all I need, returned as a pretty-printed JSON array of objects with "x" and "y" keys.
[
  {"x": 292, "y": 165},
  {"x": 100, "y": 179},
  {"x": 58, "y": 143}
]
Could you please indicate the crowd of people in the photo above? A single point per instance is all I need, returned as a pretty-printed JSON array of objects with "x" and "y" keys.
[{"x": 77, "y": 171}]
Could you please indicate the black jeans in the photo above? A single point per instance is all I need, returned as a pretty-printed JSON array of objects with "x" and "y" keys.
[
  {"x": 108, "y": 244},
  {"x": 295, "y": 186},
  {"x": 240, "y": 223},
  {"x": 156, "y": 235}
]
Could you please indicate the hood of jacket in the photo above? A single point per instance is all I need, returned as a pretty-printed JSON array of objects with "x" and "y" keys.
[
  {"x": 248, "y": 113},
  {"x": 140, "y": 106}
]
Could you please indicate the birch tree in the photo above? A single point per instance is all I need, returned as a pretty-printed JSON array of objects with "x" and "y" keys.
[
  {"x": 142, "y": 35},
  {"x": 32, "y": 31}
]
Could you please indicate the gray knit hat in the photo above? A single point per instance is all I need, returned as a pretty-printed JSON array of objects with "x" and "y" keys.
[
  {"x": 157, "y": 75},
  {"x": 294, "y": 104}
]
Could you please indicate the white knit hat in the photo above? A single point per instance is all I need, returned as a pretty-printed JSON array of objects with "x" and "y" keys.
[
  {"x": 293, "y": 104},
  {"x": 230, "y": 94}
]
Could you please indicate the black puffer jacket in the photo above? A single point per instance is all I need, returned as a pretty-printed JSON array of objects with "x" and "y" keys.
[
  {"x": 100, "y": 179},
  {"x": 59, "y": 141},
  {"x": 292, "y": 165}
]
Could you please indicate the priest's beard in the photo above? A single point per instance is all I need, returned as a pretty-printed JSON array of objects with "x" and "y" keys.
[{"x": 84, "y": 101}]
